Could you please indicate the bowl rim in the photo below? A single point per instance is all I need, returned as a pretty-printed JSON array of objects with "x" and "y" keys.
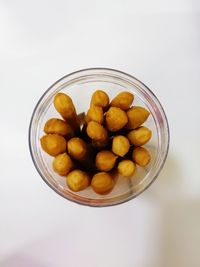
[{"x": 157, "y": 171}]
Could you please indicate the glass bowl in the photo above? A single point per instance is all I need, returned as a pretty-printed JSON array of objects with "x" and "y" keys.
[{"x": 80, "y": 85}]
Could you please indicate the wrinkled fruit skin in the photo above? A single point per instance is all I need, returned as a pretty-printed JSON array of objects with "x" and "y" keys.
[
  {"x": 126, "y": 168},
  {"x": 123, "y": 100},
  {"x": 53, "y": 144},
  {"x": 100, "y": 98},
  {"x": 141, "y": 156},
  {"x": 139, "y": 136},
  {"x": 95, "y": 113},
  {"x": 57, "y": 126},
  {"x": 62, "y": 164},
  {"x": 96, "y": 131},
  {"x": 136, "y": 117},
  {"x": 120, "y": 145},
  {"x": 78, "y": 180},
  {"x": 64, "y": 105},
  {"x": 105, "y": 160},
  {"x": 77, "y": 148},
  {"x": 116, "y": 119},
  {"x": 102, "y": 183}
]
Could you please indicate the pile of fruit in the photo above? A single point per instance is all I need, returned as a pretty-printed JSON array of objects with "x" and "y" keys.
[{"x": 90, "y": 150}]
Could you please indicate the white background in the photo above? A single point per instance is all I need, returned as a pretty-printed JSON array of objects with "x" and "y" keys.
[{"x": 157, "y": 42}]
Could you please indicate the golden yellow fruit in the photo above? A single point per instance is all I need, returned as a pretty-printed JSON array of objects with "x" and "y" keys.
[
  {"x": 140, "y": 136},
  {"x": 141, "y": 156},
  {"x": 136, "y": 117},
  {"x": 77, "y": 148},
  {"x": 53, "y": 144},
  {"x": 62, "y": 164},
  {"x": 123, "y": 100},
  {"x": 57, "y": 126},
  {"x": 102, "y": 183},
  {"x": 78, "y": 180},
  {"x": 126, "y": 168},
  {"x": 105, "y": 160},
  {"x": 100, "y": 98},
  {"x": 95, "y": 113},
  {"x": 64, "y": 105},
  {"x": 116, "y": 119},
  {"x": 120, "y": 145},
  {"x": 96, "y": 131}
]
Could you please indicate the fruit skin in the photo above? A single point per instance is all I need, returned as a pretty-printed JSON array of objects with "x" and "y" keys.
[
  {"x": 96, "y": 131},
  {"x": 139, "y": 136},
  {"x": 126, "y": 167},
  {"x": 62, "y": 164},
  {"x": 136, "y": 117},
  {"x": 53, "y": 144},
  {"x": 77, "y": 148},
  {"x": 116, "y": 119},
  {"x": 141, "y": 156},
  {"x": 58, "y": 126},
  {"x": 100, "y": 98},
  {"x": 95, "y": 113},
  {"x": 78, "y": 180},
  {"x": 120, "y": 145},
  {"x": 123, "y": 100},
  {"x": 105, "y": 160},
  {"x": 102, "y": 183},
  {"x": 64, "y": 105}
]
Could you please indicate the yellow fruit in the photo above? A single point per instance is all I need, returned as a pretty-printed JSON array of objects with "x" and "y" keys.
[{"x": 141, "y": 156}]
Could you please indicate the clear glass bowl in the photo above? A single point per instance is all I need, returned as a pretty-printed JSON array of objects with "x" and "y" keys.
[{"x": 80, "y": 85}]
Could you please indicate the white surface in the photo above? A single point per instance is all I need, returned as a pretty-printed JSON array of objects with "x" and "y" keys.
[{"x": 156, "y": 41}]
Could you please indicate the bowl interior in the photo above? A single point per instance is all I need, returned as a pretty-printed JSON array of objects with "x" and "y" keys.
[{"x": 80, "y": 87}]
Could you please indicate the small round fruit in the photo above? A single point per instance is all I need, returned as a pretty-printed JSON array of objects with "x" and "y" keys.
[
  {"x": 57, "y": 126},
  {"x": 126, "y": 168},
  {"x": 140, "y": 136},
  {"x": 105, "y": 160},
  {"x": 136, "y": 117},
  {"x": 120, "y": 145},
  {"x": 53, "y": 144},
  {"x": 77, "y": 148},
  {"x": 95, "y": 113},
  {"x": 102, "y": 183},
  {"x": 78, "y": 180},
  {"x": 62, "y": 164},
  {"x": 96, "y": 131},
  {"x": 116, "y": 119},
  {"x": 64, "y": 105},
  {"x": 141, "y": 156},
  {"x": 123, "y": 100},
  {"x": 100, "y": 98}
]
